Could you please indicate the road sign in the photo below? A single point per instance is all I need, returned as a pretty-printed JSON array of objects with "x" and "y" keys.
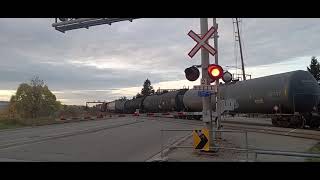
[
  {"x": 204, "y": 87},
  {"x": 201, "y": 139},
  {"x": 202, "y": 42},
  {"x": 204, "y": 93}
]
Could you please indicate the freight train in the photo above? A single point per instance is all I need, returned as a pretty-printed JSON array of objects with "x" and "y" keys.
[{"x": 291, "y": 99}]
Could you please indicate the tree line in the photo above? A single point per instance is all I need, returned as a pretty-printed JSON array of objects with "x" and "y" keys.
[
  {"x": 314, "y": 68},
  {"x": 147, "y": 90},
  {"x": 33, "y": 100}
]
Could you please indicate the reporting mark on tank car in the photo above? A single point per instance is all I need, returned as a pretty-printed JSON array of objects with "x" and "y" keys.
[{"x": 259, "y": 101}]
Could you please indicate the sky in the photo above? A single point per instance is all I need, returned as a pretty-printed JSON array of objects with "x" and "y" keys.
[{"x": 106, "y": 62}]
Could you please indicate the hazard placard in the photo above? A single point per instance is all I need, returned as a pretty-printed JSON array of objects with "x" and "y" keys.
[{"x": 201, "y": 139}]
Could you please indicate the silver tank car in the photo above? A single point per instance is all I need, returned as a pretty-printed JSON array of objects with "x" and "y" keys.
[
  {"x": 295, "y": 91},
  {"x": 111, "y": 106},
  {"x": 131, "y": 105},
  {"x": 119, "y": 106},
  {"x": 193, "y": 103},
  {"x": 170, "y": 101},
  {"x": 152, "y": 103}
]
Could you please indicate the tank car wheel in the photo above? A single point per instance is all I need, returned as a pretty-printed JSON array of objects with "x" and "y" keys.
[
  {"x": 296, "y": 122},
  {"x": 285, "y": 124}
]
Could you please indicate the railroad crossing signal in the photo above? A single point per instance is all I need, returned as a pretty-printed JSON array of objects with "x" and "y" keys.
[
  {"x": 192, "y": 73},
  {"x": 215, "y": 71},
  {"x": 201, "y": 139},
  {"x": 227, "y": 77},
  {"x": 202, "y": 42}
]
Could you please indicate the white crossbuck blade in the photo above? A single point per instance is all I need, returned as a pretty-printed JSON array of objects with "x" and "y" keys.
[{"x": 202, "y": 42}]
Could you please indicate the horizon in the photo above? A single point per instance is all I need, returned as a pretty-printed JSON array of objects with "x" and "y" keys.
[{"x": 107, "y": 62}]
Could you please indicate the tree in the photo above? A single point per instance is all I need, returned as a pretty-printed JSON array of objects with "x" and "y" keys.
[
  {"x": 314, "y": 68},
  {"x": 147, "y": 88},
  {"x": 138, "y": 95},
  {"x": 34, "y": 99},
  {"x": 123, "y": 98}
]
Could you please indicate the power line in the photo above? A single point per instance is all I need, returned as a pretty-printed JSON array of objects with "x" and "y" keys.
[
  {"x": 240, "y": 46},
  {"x": 235, "y": 52}
]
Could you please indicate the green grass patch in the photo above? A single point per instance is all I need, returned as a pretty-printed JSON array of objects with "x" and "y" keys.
[
  {"x": 8, "y": 126},
  {"x": 314, "y": 149},
  {"x": 6, "y": 123}
]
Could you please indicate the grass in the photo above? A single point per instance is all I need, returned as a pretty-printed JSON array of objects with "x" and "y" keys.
[
  {"x": 314, "y": 149},
  {"x": 9, "y": 123},
  {"x": 6, "y": 123},
  {"x": 8, "y": 126}
]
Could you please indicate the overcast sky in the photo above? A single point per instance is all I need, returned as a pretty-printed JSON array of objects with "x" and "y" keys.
[{"x": 106, "y": 62}]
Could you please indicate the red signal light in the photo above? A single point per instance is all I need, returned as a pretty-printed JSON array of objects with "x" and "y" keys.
[{"x": 215, "y": 71}]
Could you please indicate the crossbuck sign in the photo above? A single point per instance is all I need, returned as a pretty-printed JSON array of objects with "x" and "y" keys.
[{"x": 202, "y": 42}]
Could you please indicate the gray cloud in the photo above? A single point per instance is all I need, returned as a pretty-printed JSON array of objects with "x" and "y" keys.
[{"x": 126, "y": 53}]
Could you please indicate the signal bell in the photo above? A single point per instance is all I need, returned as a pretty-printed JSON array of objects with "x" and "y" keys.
[
  {"x": 192, "y": 73},
  {"x": 215, "y": 71}
]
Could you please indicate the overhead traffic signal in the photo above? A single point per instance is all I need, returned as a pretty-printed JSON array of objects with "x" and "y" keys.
[{"x": 192, "y": 73}]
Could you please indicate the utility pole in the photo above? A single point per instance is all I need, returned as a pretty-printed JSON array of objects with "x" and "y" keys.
[
  {"x": 217, "y": 92},
  {"x": 218, "y": 110},
  {"x": 206, "y": 104},
  {"x": 240, "y": 46}
]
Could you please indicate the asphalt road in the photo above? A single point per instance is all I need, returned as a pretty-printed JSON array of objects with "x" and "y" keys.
[{"x": 118, "y": 139}]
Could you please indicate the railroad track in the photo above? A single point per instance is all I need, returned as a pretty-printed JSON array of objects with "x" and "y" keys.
[{"x": 297, "y": 133}]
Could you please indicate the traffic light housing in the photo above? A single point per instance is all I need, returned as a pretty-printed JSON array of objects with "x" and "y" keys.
[
  {"x": 227, "y": 77},
  {"x": 215, "y": 71},
  {"x": 192, "y": 73}
]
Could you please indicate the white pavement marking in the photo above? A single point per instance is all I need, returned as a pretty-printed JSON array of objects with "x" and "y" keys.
[
  {"x": 166, "y": 151},
  {"x": 290, "y": 131},
  {"x": 13, "y": 160}
]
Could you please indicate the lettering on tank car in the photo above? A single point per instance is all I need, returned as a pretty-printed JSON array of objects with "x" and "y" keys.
[
  {"x": 236, "y": 105},
  {"x": 259, "y": 101},
  {"x": 275, "y": 93}
]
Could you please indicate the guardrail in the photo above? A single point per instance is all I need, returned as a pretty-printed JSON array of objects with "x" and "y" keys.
[
  {"x": 248, "y": 150},
  {"x": 216, "y": 131}
]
